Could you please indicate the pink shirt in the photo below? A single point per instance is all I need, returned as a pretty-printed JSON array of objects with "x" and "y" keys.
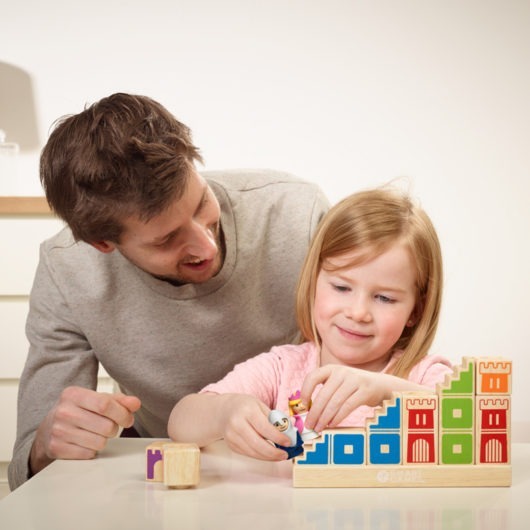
[{"x": 273, "y": 376}]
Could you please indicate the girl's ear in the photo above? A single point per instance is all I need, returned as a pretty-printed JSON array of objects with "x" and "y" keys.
[{"x": 415, "y": 315}]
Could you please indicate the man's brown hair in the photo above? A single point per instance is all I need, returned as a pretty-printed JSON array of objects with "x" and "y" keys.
[{"x": 124, "y": 155}]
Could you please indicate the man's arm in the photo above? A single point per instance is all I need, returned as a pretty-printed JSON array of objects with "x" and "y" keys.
[{"x": 59, "y": 357}]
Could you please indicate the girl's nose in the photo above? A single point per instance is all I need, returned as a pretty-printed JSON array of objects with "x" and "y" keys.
[{"x": 359, "y": 310}]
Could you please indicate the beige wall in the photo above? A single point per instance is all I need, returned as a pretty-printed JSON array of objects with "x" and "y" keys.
[{"x": 347, "y": 93}]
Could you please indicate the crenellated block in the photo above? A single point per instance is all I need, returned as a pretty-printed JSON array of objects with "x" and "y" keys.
[
  {"x": 420, "y": 428},
  {"x": 493, "y": 429},
  {"x": 177, "y": 465},
  {"x": 154, "y": 459},
  {"x": 494, "y": 376}
]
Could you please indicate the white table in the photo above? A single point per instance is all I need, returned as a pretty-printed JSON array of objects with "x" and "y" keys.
[{"x": 240, "y": 493}]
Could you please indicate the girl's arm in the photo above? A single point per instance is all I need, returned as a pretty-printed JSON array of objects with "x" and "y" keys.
[
  {"x": 240, "y": 419},
  {"x": 344, "y": 389}
]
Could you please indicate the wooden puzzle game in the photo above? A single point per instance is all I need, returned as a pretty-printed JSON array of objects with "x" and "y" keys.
[{"x": 457, "y": 436}]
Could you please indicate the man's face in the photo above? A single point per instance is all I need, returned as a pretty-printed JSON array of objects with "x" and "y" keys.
[{"x": 183, "y": 243}]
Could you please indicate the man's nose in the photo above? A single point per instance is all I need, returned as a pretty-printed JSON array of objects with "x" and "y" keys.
[{"x": 201, "y": 241}]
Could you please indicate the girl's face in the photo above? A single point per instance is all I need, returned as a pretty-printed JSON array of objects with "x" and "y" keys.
[{"x": 361, "y": 311}]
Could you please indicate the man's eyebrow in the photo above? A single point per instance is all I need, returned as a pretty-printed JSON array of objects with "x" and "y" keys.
[
  {"x": 162, "y": 239},
  {"x": 173, "y": 233}
]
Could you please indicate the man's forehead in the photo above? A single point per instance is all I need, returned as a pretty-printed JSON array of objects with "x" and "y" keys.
[{"x": 172, "y": 217}]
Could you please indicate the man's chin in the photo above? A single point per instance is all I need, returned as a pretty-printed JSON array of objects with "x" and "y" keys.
[
  {"x": 170, "y": 279},
  {"x": 179, "y": 280},
  {"x": 193, "y": 277}
]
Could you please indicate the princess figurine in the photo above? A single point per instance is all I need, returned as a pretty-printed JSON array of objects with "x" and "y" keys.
[{"x": 298, "y": 411}]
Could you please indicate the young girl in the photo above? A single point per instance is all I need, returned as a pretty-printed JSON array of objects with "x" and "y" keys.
[{"x": 368, "y": 302}]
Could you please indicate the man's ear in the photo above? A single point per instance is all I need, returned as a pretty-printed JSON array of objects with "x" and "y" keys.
[{"x": 104, "y": 246}]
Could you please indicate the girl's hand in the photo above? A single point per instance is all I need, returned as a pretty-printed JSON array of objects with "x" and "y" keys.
[
  {"x": 246, "y": 428},
  {"x": 344, "y": 389},
  {"x": 240, "y": 419}
]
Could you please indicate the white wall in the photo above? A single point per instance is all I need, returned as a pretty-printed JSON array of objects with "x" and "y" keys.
[{"x": 347, "y": 93}]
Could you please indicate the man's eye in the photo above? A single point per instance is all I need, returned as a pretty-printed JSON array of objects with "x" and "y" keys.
[{"x": 166, "y": 243}]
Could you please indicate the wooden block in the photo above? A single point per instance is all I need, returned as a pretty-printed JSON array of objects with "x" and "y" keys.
[
  {"x": 181, "y": 465},
  {"x": 456, "y": 443},
  {"x": 384, "y": 433},
  {"x": 345, "y": 445},
  {"x": 420, "y": 428},
  {"x": 493, "y": 430},
  {"x": 494, "y": 376},
  {"x": 461, "y": 381},
  {"x": 415, "y": 476},
  {"x": 154, "y": 458}
]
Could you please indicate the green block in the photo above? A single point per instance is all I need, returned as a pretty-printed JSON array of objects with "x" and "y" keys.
[
  {"x": 465, "y": 384},
  {"x": 457, "y": 412},
  {"x": 456, "y": 448}
]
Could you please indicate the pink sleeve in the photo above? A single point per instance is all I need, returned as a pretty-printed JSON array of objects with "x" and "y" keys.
[
  {"x": 430, "y": 371},
  {"x": 257, "y": 377}
]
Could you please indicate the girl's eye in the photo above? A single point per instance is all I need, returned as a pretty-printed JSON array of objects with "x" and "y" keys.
[
  {"x": 340, "y": 288},
  {"x": 384, "y": 299}
]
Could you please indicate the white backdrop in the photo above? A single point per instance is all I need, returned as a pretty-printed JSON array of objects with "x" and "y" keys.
[{"x": 349, "y": 94}]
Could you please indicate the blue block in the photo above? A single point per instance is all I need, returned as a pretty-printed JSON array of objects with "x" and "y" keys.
[
  {"x": 355, "y": 444},
  {"x": 380, "y": 441},
  {"x": 392, "y": 419},
  {"x": 320, "y": 455}
]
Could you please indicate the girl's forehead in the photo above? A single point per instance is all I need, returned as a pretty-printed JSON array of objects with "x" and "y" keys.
[
  {"x": 350, "y": 258},
  {"x": 360, "y": 256}
]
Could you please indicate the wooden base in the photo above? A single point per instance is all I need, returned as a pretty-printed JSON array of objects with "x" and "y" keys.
[{"x": 416, "y": 476}]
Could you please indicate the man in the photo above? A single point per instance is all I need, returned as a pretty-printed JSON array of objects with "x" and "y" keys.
[{"x": 165, "y": 276}]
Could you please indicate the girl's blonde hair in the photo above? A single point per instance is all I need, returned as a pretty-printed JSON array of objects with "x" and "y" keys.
[{"x": 370, "y": 222}]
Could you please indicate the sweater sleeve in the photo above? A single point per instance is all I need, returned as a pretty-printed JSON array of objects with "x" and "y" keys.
[
  {"x": 430, "y": 371},
  {"x": 59, "y": 356}
]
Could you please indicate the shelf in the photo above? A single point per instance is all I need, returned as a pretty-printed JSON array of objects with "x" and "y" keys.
[{"x": 24, "y": 206}]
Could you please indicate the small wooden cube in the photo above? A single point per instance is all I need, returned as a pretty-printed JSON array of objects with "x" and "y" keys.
[
  {"x": 154, "y": 456},
  {"x": 181, "y": 465}
]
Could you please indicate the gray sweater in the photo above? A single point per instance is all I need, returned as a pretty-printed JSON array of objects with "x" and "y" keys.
[{"x": 158, "y": 341}]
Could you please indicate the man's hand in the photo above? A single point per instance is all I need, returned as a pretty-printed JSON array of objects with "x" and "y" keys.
[{"x": 80, "y": 424}]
